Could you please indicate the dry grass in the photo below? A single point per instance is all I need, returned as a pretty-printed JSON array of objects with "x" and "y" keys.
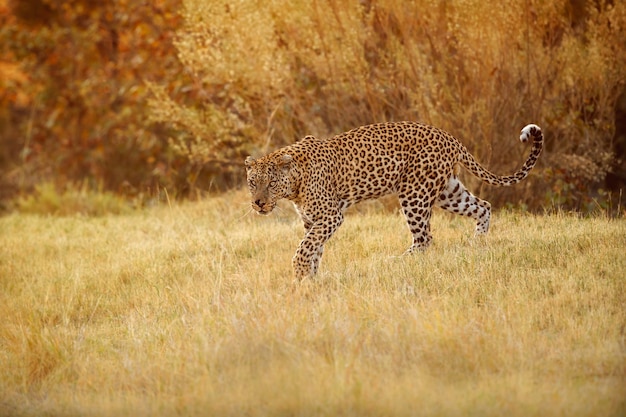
[{"x": 190, "y": 310}]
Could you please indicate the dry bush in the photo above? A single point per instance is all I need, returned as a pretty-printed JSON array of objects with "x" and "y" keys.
[
  {"x": 270, "y": 72},
  {"x": 73, "y": 97}
]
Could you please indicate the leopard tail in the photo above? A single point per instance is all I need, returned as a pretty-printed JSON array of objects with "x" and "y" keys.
[{"x": 531, "y": 130}]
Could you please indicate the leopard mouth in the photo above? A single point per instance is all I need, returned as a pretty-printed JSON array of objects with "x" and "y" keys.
[{"x": 262, "y": 210}]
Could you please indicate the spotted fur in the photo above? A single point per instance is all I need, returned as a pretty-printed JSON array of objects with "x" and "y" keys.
[{"x": 416, "y": 162}]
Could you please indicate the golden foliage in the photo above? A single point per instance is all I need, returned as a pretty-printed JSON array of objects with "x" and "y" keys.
[
  {"x": 477, "y": 69},
  {"x": 176, "y": 93}
]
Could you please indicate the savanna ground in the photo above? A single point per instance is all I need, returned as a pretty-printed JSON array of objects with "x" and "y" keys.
[{"x": 190, "y": 309}]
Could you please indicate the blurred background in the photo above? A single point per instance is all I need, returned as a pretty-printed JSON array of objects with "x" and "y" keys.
[{"x": 124, "y": 103}]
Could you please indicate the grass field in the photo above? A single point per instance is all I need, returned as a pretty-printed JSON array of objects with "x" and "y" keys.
[{"x": 191, "y": 310}]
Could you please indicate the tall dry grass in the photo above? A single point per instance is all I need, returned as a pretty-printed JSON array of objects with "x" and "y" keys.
[
  {"x": 274, "y": 71},
  {"x": 190, "y": 310}
]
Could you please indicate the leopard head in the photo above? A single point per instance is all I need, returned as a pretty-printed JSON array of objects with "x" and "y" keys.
[{"x": 268, "y": 181}]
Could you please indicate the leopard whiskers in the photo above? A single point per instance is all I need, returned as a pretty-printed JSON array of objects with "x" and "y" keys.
[{"x": 246, "y": 214}]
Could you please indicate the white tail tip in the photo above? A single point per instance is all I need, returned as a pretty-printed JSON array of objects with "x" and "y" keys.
[{"x": 528, "y": 131}]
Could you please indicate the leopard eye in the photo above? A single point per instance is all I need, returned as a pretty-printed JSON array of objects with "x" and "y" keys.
[
  {"x": 252, "y": 183},
  {"x": 273, "y": 183}
]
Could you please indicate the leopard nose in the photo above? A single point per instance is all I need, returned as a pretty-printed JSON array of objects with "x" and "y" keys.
[{"x": 259, "y": 203}]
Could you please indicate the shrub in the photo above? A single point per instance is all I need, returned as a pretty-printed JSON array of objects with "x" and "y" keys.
[
  {"x": 75, "y": 106},
  {"x": 139, "y": 97},
  {"x": 272, "y": 72},
  {"x": 74, "y": 199}
]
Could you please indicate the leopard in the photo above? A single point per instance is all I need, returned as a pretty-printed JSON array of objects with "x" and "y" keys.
[{"x": 417, "y": 162}]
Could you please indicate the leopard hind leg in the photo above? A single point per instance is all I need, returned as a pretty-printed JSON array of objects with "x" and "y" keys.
[
  {"x": 417, "y": 209},
  {"x": 457, "y": 199}
]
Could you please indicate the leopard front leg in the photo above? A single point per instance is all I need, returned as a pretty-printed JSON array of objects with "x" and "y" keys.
[
  {"x": 308, "y": 223},
  {"x": 309, "y": 253}
]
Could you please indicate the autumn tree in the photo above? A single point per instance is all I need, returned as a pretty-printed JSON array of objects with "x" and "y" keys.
[{"x": 74, "y": 100}]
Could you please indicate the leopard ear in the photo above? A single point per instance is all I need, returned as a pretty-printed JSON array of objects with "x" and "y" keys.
[
  {"x": 285, "y": 159},
  {"x": 284, "y": 163},
  {"x": 249, "y": 161}
]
